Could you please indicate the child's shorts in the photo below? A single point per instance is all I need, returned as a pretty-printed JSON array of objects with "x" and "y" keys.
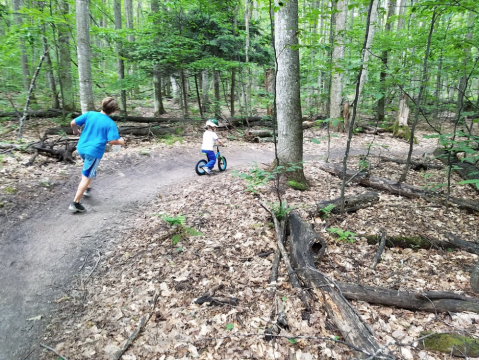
[{"x": 90, "y": 164}]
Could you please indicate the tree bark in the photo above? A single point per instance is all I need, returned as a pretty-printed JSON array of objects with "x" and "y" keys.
[
  {"x": 337, "y": 57},
  {"x": 121, "y": 63},
  {"x": 288, "y": 103},
  {"x": 84, "y": 55},
  {"x": 17, "y": 5},
  {"x": 64, "y": 54},
  {"x": 49, "y": 71}
]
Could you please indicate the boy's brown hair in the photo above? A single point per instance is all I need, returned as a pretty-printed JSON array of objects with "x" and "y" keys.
[{"x": 109, "y": 105}]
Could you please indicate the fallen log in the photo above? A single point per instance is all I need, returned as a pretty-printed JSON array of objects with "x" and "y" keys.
[
  {"x": 352, "y": 203},
  {"x": 464, "y": 169},
  {"x": 250, "y": 134},
  {"x": 415, "y": 165},
  {"x": 351, "y": 326},
  {"x": 410, "y": 242},
  {"x": 433, "y": 302},
  {"x": 395, "y": 187},
  {"x": 466, "y": 245}
]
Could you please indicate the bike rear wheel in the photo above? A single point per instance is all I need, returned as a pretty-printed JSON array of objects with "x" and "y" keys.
[
  {"x": 199, "y": 167},
  {"x": 222, "y": 163}
]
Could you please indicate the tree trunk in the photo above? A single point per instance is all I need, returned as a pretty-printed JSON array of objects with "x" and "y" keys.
[
  {"x": 49, "y": 72},
  {"x": 419, "y": 97},
  {"x": 65, "y": 67},
  {"x": 364, "y": 74},
  {"x": 338, "y": 57},
  {"x": 384, "y": 60},
  {"x": 205, "y": 88},
  {"x": 158, "y": 98},
  {"x": 121, "y": 63},
  {"x": 84, "y": 55},
  {"x": 403, "y": 113},
  {"x": 216, "y": 83},
  {"x": 288, "y": 103},
  {"x": 184, "y": 92},
  {"x": 17, "y": 5},
  {"x": 232, "y": 94}
]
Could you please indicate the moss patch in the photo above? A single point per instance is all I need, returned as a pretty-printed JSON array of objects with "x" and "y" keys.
[
  {"x": 454, "y": 344},
  {"x": 402, "y": 132},
  {"x": 297, "y": 185}
]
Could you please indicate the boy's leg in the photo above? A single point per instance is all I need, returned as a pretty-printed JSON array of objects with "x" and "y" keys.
[
  {"x": 211, "y": 159},
  {"x": 84, "y": 183}
]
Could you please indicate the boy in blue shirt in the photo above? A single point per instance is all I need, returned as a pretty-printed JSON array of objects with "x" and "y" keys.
[{"x": 98, "y": 130}]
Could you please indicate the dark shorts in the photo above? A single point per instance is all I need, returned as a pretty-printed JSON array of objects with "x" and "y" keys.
[{"x": 90, "y": 164}]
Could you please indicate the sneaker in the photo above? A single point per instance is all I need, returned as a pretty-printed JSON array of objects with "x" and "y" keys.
[
  {"x": 87, "y": 192},
  {"x": 206, "y": 169},
  {"x": 76, "y": 207}
]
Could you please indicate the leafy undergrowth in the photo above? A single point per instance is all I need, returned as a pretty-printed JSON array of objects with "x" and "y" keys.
[{"x": 102, "y": 313}]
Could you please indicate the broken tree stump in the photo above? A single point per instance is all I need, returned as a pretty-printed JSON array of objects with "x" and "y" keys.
[
  {"x": 352, "y": 203},
  {"x": 351, "y": 326}
]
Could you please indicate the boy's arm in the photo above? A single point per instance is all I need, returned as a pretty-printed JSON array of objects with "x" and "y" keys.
[
  {"x": 220, "y": 142},
  {"x": 75, "y": 129},
  {"x": 119, "y": 141}
]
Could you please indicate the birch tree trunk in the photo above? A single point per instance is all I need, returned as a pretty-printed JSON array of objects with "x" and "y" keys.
[
  {"x": 403, "y": 113},
  {"x": 288, "y": 103},
  {"x": 401, "y": 11},
  {"x": 338, "y": 56},
  {"x": 65, "y": 67},
  {"x": 157, "y": 87},
  {"x": 121, "y": 63},
  {"x": 364, "y": 74},
  {"x": 17, "y": 5},
  {"x": 84, "y": 55}
]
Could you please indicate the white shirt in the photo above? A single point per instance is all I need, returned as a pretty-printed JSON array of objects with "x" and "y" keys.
[{"x": 209, "y": 138}]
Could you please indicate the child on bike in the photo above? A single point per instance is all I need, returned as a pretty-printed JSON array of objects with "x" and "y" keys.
[{"x": 209, "y": 138}]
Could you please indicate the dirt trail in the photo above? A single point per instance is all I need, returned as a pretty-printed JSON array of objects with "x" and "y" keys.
[{"x": 40, "y": 256}]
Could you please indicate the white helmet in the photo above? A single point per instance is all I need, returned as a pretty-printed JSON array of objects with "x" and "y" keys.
[{"x": 212, "y": 123}]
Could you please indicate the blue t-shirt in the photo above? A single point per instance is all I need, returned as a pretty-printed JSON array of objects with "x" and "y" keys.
[{"x": 98, "y": 130}]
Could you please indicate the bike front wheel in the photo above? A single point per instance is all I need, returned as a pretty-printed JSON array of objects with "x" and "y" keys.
[
  {"x": 199, "y": 167},
  {"x": 222, "y": 163}
]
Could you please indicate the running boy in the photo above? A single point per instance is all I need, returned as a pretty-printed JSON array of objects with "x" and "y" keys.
[
  {"x": 209, "y": 138},
  {"x": 99, "y": 129}
]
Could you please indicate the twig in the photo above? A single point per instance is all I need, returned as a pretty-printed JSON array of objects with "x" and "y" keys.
[
  {"x": 382, "y": 244},
  {"x": 138, "y": 329},
  {"x": 99, "y": 258},
  {"x": 53, "y": 350}
]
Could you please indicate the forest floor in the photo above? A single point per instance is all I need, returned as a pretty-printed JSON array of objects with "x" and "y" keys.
[{"x": 81, "y": 284}]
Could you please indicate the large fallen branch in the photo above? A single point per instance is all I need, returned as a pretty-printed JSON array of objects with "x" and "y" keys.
[
  {"x": 394, "y": 187},
  {"x": 349, "y": 323}
]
